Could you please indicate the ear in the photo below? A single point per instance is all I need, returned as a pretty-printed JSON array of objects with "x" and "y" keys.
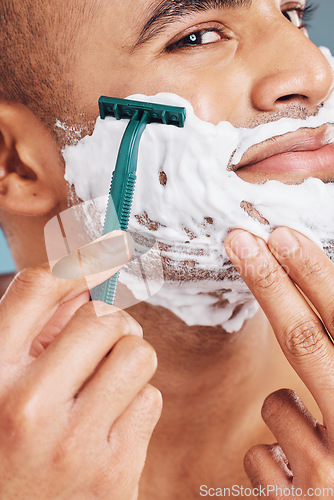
[{"x": 31, "y": 168}]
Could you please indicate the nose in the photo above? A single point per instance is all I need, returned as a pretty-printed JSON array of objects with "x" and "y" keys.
[{"x": 294, "y": 72}]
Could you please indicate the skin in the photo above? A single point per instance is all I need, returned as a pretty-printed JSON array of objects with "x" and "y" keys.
[
  {"x": 39, "y": 460},
  {"x": 306, "y": 443},
  {"x": 213, "y": 384}
]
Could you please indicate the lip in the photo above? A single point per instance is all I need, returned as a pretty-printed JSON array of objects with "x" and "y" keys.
[{"x": 291, "y": 157}]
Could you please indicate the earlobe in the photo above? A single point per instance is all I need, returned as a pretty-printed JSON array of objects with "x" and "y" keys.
[{"x": 30, "y": 163}]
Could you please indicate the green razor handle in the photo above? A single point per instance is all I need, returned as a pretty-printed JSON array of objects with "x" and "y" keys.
[{"x": 123, "y": 181}]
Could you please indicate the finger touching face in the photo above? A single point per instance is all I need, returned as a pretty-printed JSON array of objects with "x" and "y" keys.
[{"x": 271, "y": 273}]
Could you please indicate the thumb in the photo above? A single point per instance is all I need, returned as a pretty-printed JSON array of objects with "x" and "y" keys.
[{"x": 104, "y": 255}]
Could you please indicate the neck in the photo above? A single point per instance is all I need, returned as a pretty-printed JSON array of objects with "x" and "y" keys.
[{"x": 213, "y": 385}]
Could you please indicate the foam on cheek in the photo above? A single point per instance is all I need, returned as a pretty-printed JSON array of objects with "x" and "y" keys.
[{"x": 187, "y": 199}]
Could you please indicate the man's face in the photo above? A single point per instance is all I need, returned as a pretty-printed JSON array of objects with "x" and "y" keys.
[{"x": 247, "y": 62}]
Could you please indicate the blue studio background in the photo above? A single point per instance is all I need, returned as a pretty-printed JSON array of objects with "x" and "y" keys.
[{"x": 321, "y": 32}]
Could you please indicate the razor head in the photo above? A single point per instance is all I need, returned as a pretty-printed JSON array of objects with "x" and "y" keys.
[{"x": 157, "y": 113}]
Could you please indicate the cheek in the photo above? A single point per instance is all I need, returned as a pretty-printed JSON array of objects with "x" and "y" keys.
[
  {"x": 217, "y": 93},
  {"x": 213, "y": 98},
  {"x": 218, "y": 90},
  {"x": 217, "y": 98}
]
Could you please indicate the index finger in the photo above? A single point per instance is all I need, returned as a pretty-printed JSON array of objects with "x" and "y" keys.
[
  {"x": 310, "y": 268},
  {"x": 297, "y": 327}
]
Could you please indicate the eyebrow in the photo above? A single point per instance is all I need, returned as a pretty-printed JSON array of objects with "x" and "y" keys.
[{"x": 170, "y": 11}]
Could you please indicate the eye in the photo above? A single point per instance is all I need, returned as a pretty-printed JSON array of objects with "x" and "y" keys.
[{"x": 198, "y": 38}]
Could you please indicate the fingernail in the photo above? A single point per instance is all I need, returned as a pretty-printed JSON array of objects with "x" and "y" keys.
[
  {"x": 108, "y": 253},
  {"x": 244, "y": 245},
  {"x": 68, "y": 268},
  {"x": 114, "y": 244},
  {"x": 283, "y": 242}
]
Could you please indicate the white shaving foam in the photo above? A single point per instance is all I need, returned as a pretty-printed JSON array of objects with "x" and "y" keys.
[{"x": 200, "y": 203}]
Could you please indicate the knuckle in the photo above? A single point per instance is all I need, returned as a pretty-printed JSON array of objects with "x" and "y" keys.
[
  {"x": 267, "y": 277},
  {"x": 305, "y": 339},
  {"x": 35, "y": 280},
  {"x": 310, "y": 267},
  {"x": 152, "y": 400},
  {"x": 143, "y": 352},
  {"x": 128, "y": 323},
  {"x": 18, "y": 419},
  {"x": 147, "y": 355},
  {"x": 114, "y": 318},
  {"x": 87, "y": 312},
  {"x": 86, "y": 320}
]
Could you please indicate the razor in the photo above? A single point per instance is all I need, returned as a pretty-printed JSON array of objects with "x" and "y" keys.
[{"x": 124, "y": 177}]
